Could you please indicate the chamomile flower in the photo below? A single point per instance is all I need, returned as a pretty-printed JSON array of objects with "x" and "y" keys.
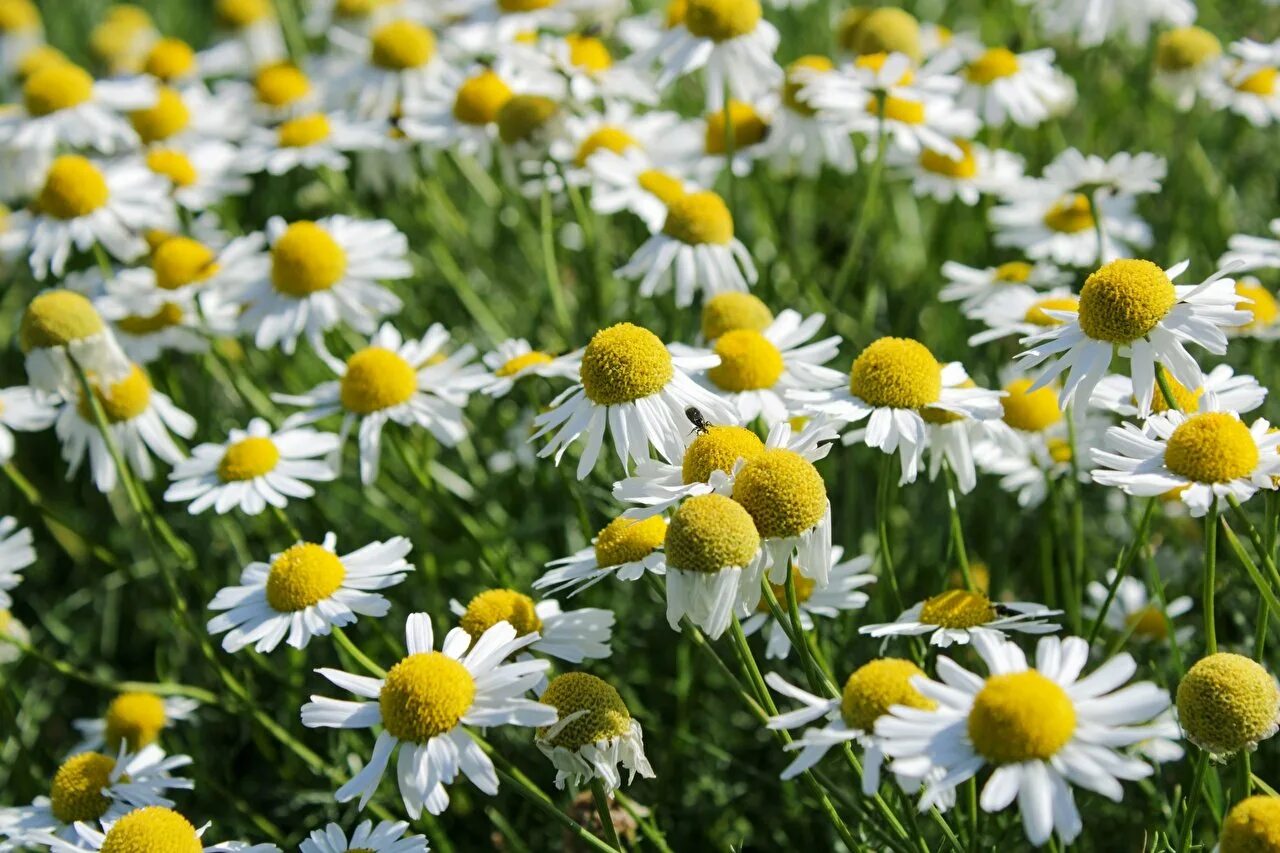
[
  {"x": 152, "y": 827},
  {"x": 738, "y": 125},
  {"x": 863, "y": 31},
  {"x": 1133, "y": 612},
  {"x": 594, "y": 735},
  {"x": 393, "y": 380},
  {"x": 63, "y": 106},
  {"x": 696, "y": 250},
  {"x": 1091, "y": 23},
  {"x": 82, "y": 203},
  {"x": 134, "y": 720},
  {"x": 514, "y": 359},
  {"x": 200, "y": 175},
  {"x": 356, "y": 16},
  {"x": 1134, "y": 306},
  {"x": 309, "y": 141},
  {"x": 1222, "y": 391},
  {"x": 890, "y": 383},
  {"x": 395, "y": 63},
  {"x": 1187, "y": 61},
  {"x": 182, "y": 117},
  {"x": 1022, "y": 312},
  {"x": 24, "y": 409},
  {"x": 632, "y": 181},
  {"x": 1064, "y": 228},
  {"x": 958, "y": 616},
  {"x": 253, "y": 468},
  {"x": 1263, "y": 307},
  {"x": 1248, "y": 253},
  {"x": 1042, "y": 729},
  {"x": 1208, "y": 457},
  {"x": 425, "y": 704},
  {"x": 61, "y": 329},
  {"x": 1250, "y": 84},
  {"x": 171, "y": 61},
  {"x": 122, "y": 39},
  {"x": 16, "y": 553},
  {"x": 485, "y": 23},
  {"x": 1000, "y": 85},
  {"x": 951, "y": 439},
  {"x": 581, "y": 65},
  {"x": 1250, "y": 825},
  {"x": 387, "y": 837},
  {"x": 307, "y": 590},
  {"x": 140, "y": 420},
  {"x": 842, "y": 593},
  {"x": 714, "y": 562},
  {"x": 248, "y": 36},
  {"x": 631, "y": 383},
  {"x": 318, "y": 274},
  {"x": 13, "y": 630},
  {"x": 1227, "y": 703},
  {"x": 975, "y": 172},
  {"x": 625, "y": 548},
  {"x": 21, "y": 31},
  {"x": 659, "y": 134},
  {"x": 731, "y": 310},
  {"x": 573, "y": 636},
  {"x": 277, "y": 92},
  {"x": 800, "y": 139},
  {"x": 459, "y": 111},
  {"x": 1123, "y": 174},
  {"x": 975, "y": 289}
]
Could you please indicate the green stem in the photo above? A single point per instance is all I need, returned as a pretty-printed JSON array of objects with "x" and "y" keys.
[
  {"x": 286, "y": 523},
  {"x": 67, "y": 670},
  {"x": 1210, "y": 580},
  {"x": 957, "y": 530},
  {"x": 1122, "y": 567},
  {"x": 1166, "y": 390},
  {"x": 360, "y": 657},
  {"x": 869, "y": 199},
  {"x": 1193, "y": 802},
  {"x": 601, "y": 798},
  {"x": 551, "y": 267}
]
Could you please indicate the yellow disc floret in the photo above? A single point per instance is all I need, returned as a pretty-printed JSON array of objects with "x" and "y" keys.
[
  {"x": 588, "y": 53},
  {"x": 961, "y": 169},
  {"x": 180, "y": 261},
  {"x": 1037, "y": 314},
  {"x": 608, "y": 138},
  {"x": 281, "y": 84},
  {"x": 56, "y": 318},
  {"x": 709, "y": 533},
  {"x": 699, "y": 218},
  {"x": 248, "y": 459},
  {"x": 748, "y": 361},
  {"x": 524, "y": 5},
  {"x": 899, "y": 373},
  {"x": 523, "y": 362},
  {"x": 241, "y": 13},
  {"x": 1262, "y": 304},
  {"x": 500, "y": 605},
  {"x": 303, "y": 575},
  {"x": 1021, "y": 716},
  {"x": 782, "y": 491},
  {"x": 1070, "y": 215},
  {"x": 169, "y": 60},
  {"x": 1252, "y": 826},
  {"x": 121, "y": 401},
  {"x": 134, "y": 719},
  {"x": 303, "y": 131},
  {"x": 624, "y": 363},
  {"x": 523, "y": 116},
  {"x": 1149, "y": 622},
  {"x": 1227, "y": 703},
  {"x": 904, "y": 110},
  {"x": 995, "y": 64},
  {"x": 56, "y": 86},
  {"x": 1187, "y": 399},
  {"x": 804, "y": 588},
  {"x": 480, "y": 98},
  {"x": 167, "y": 117},
  {"x": 748, "y": 128},
  {"x": 884, "y": 30},
  {"x": 731, "y": 310},
  {"x": 1212, "y": 447},
  {"x": 18, "y": 16},
  {"x": 73, "y": 187},
  {"x": 629, "y": 540},
  {"x": 376, "y": 379},
  {"x": 1124, "y": 300},
  {"x": 153, "y": 829},
  {"x": 1261, "y": 83},
  {"x": 1186, "y": 48},
  {"x": 174, "y": 165},
  {"x": 306, "y": 259},
  {"x": 425, "y": 695},
  {"x": 796, "y": 79},
  {"x": 876, "y": 687},
  {"x": 401, "y": 45},
  {"x": 661, "y": 185},
  {"x": 1014, "y": 272},
  {"x": 166, "y": 317},
  {"x": 721, "y": 20},
  {"x": 718, "y": 449},
  {"x": 957, "y": 608},
  {"x": 1027, "y": 410},
  {"x": 606, "y": 714},
  {"x": 76, "y": 792}
]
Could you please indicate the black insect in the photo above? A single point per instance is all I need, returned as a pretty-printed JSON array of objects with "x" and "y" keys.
[
  {"x": 700, "y": 425},
  {"x": 1004, "y": 610}
]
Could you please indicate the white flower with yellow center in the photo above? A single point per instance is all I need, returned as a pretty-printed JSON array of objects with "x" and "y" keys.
[
  {"x": 1045, "y": 224},
  {"x": 133, "y": 719},
  {"x": 486, "y": 23},
  {"x": 1133, "y": 613},
  {"x": 148, "y": 828},
  {"x": 734, "y": 135},
  {"x": 92, "y": 786},
  {"x": 1041, "y": 729},
  {"x": 406, "y": 382},
  {"x": 21, "y": 31},
  {"x": 658, "y": 135},
  {"x": 24, "y": 409},
  {"x": 625, "y": 548},
  {"x": 459, "y": 110},
  {"x": 387, "y": 837},
  {"x": 425, "y": 705},
  {"x": 1251, "y": 824},
  {"x": 696, "y": 250},
  {"x": 275, "y": 92},
  {"x": 958, "y": 616},
  {"x": 800, "y": 140},
  {"x": 1222, "y": 391},
  {"x": 976, "y": 172},
  {"x": 581, "y": 65},
  {"x": 1249, "y": 84},
  {"x": 1263, "y": 307},
  {"x": 319, "y": 274},
  {"x": 729, "y": 38},
  {"x": 891, "y": 383},
  {"x": 122, "y": 38},
  {"x": 64, "y": 107},
  {"x": 841, "y": 594},
  {"x": 60, "y": 329},
  {"x": 1209, "y": 457},
  {"x": 254, "y": 468},
  {"x": 1123, "y": 174},
  {"x": 1247, "y": 253},
  {"x": 632, "y": 384},
  {"x": 171, "y": 61},
  {"x": 1021, "y": 312},
  {"x": 139, "y": 419},
  {"x": 307, "y": 590},
  {"x": 1000, "y": 85},
  {"x": 514, "y": 359},
  {"x": 1091, "y": 22},
  {"x": 573, "y": 636},
  {"x": 632, "y": 181},
  {"x": 200, "y": 175},
  {"x": 396, "y": 63},
  {"x": 1133, "y": 306},
  {"x": 866, "y": 31},
  {"x": 82, "y": 203},
  {"x": 309, "y": 141},
  {"x": 247, "y": 37},
  {"x": 595, "y": 733},
  {"x": 1188, "y": 60},
  {"x": 714, "y": 563},
  {"x": 1227, "y": 704},
  {"x": 355, "y": 16},
  {"x": 180, "y": 118},
  {"x": 16, "y": 553},
  {"x": 976, "y": 288}
]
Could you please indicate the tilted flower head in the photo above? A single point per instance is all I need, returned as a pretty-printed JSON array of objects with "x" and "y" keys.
[
  {"x": 863, "y": 31},
  {"x": 1000, "y": 85},
  {"x": 1069, "y": 228},
  {"x": 1187, "y": 61},
  {"x": 1254, "y": 253},
  {"x": 633, "y": 181},
  {"x": 1133, "y": 612},
  {"x": 133, "y": 719},
  {"x": 957, "y": 616},
  {"x": 1263, "y": 308},
  {"x": 967, "y": 174},
  {"x": 1252, "y": 826},
  {"x": 310, "y": 141},
  {"x": 387, "y": 837},
  {"x": 1227, "y": 703},
  {"x": 153, "y": 827},
  {"x": 515, "y": 359},
  {"x": 714, "y": 562},
  {"x": 595, "y": 733},
  {"x": 1249, "y": 84},
  {"x": 459, "y": 111},
  {"x": 1127, "y": 174},
  {"x": 626, "y": 548},
  {"x": 63, "y": 106},
  {"x": 247, "y": 37},
  {"x": 1222, "y": 391},
  {"x": 799, "y": 139},
  {"x": 786, "y": 497},
  {"x": 573, "y": 636},
  {"x": 841, "y": 593},
  {"x": 60, "y": 329},
  {"x": 732, "y": 311}
]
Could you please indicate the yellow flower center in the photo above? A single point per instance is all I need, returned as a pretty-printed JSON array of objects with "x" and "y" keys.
[
  {"x": 876, "y": 687},
  {"x": 153, "y": 829},
  {"x": 306, "y": 259},
  {"x": 902, "y": 110},
  {"x": 1014, "y": 272},
  {"x": 56, "y": 86},
  {"x": 1263, "y": 306},
  {"x": 748, "y": 361},
  {"x": 782, "y": 491},
  {"x": 303, "y": 131},
  {"x": 1021, "y": 716},
  {"x": 500, "y": 605},
  {"x": 1124, "y": 300},
  {"x": 523, "y": 362},
  {"x": 1148, "y": 622},
  {"x": 76, "y": 793},
  {"x": 1261, "y": 83},
  {"x": 609, "y": 138},
  {"x": 675, "y": 13},
  {"x": 180, "y": 261},
  {"x": 1070, "y": 215},
  {"x": 1037, "y": 316},
  {"x": 792, "y": 85},
  {"x": 1027, "y": 410},
  {"x": 248, "y": 459},
  {"x": 588, "y": 53},
  {"x": 170, "y": 59},
  {"x": 718, "y": 449},
  {"x": 957, "y": 608},
  {"x": 749, "y": 128},
  {"x": 174, "y": 165},
  {"x": 168, "y": 316},
  {"x": 1213, "y": 447},
  {"x": 606, "y": 718},
  {"x": 123, "y": 400},
  {"x": 522, "y": 116},
  {"x": 1227, "y": 703},
  {"x": 241, "y": 13},
  {"x": 481, "y": 98},
  {"x": 732, "y": 310},
  {"x": 17, "y": 16},
  {"x": 662, "y": 186},
  {"x": 280, "y": 85},
  {"x": 356, "y": 9},
  {"x": 38, "y": 58},
  {"x": 1252, "y": 826},
  {"x": 624, "y": 363},
  {"x": 721, "y": 20},
  {"x": 628, "y": 540},
  {"x": 978, "y": 572},
  {"x": 1188, "y": 400},
  {"x": 302, "y": 576},
  {"x": 699, "y": 218},
  {"x": 55, "y": 318},
  {"x": 883, "y": 30},
  {"x": 73, "y": 187},
  {"x": 996, "y": 63},
  {"x": 524, "y": 5},
  {"x": 1186, "y": 48},
  {"x": 709, "y": 533},
  {"x": 134, "y": 719},
  {"x": 376, "y": 379},
  {"x": 804, "y": 588},
  {"x": 425, "y": 695},
  {"x": 899, "y": 373},
  {"x": 401, "y": 45},
  {"x": 941, "y": 164}
]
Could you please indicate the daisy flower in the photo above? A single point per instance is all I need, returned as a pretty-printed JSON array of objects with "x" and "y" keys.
[
  {"x": 1250, "y": 84},
  {"x": 307, "y": 590},
  {"x": 1248, "y": 253},
  {"x": 319, "y": 274},
  {"x": 958, "y": 616},
  {"x": 841, "y": 594},
  {"x": 514, "y": 359},
  {"x": 801, "y": 140},
  {"x": 1208, "y": 457},
  {"x": 26, "y": 410},
  {"x": 1227, "y": 704},
  {"x": 486, "y": 23},
  {"x": 426, "y": 704},
  {"x": 253, "y": 468},
  {"x": 11, "y": 629},
  {"x": 1000, "y": 85},
  {"x": 631, "y": 383},
  {"x": 732, "y": 310},
  {"x": 134, "y": 720},
  {"x": 276, "y": 92},
  {"x": 1090, "y": 24},
  {"x": 632, "y": 181},
  {"x": 890, "y": 383},
  {"x": 395, "y": 63},
  {"x": 356, "y": 16},
  {"x": 140, "y": 420},
  {"x": 1133, "y": 612},
  {"x": 977, "y": 171},
  {"x": 310, "y": 141},
  {"x": 863, "y": 31},
  {"x": 975, "y": 288},
  {"x": 573, "y": 636},
  {"x": 659, "y": 134},
  {"x": 1042, "y": 729},
  {"x": 1021, "y": 312},
  {"x": 201, "y": 174},
  {"x": 695, "y": 250},
  {"x": 21, "y": 31},
  {"x": 951, "y": 439},
  {"x": 248, "y": 37},
  {"x": 625, "y": 548},
  {"x": 1261, "y": 303},
  {"x": 1222, "y": 391},
  {"x": 581, "y": 65},
  {"x": 171, "y": 61},
  {"x": 387, "y": 837},
  {"x": 82, "y": 203},
  {"x": 1249, "y": 825},
  {"x": 181, "y": 117},
  {"x": 459, "y": 111},
  {"x": 1188, "y": 59},
  {"x": 123, "y": 37},
  {"x": 63, "y": 106},
  {"x": 744, "y": 126},
  {"x": 60, "y": 329},
  {"x": 148, "y": 828},
  {"x": 593, "y": 735},
  {"x": 1064, "y": 228},
  {"x": 1124, "y": 173},
  {"x": 16, "y": 553},
  {"x": 714, "y": 561},
  {"x": 393, "y": 380}
]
